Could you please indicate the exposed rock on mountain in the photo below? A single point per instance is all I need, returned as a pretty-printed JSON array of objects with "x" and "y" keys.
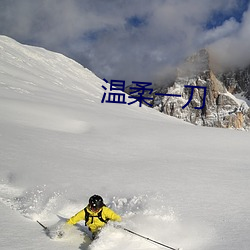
[
  {"x": 221, "y": 108},
  {"x": 237, "y": 81}
]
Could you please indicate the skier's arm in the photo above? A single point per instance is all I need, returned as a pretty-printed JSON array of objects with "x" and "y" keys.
[
  {"x": 110, "y": 214},
  {"x": 77, "y": 217}
]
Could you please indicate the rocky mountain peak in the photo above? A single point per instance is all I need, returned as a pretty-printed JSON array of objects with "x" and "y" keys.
[
  {"x": 221, "y": 109},
  {"x": 196, "y": 64}
]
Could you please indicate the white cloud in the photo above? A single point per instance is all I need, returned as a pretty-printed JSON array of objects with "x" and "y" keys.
[
  {"x": 228, "y": 28},
  {"x": 97, "y": 33},
  {"x": 233, "y": 50}
]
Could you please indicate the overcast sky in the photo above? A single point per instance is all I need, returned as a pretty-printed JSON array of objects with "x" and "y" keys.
[{"x": 136, "y": 40}]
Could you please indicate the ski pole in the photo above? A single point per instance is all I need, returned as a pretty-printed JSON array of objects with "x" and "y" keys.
[
  {"x": 146, "y": 238},
  {"x": 45, "y": 228}
]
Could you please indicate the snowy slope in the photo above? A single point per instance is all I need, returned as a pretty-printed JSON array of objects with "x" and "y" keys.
[{"x": 176, "y": 183}]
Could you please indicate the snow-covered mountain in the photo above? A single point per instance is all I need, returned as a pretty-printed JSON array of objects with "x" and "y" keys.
[
  {"x": 222, "y": 108},
  {"x": 182, "y": 185}
]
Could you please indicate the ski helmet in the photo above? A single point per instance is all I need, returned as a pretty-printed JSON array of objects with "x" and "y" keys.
[{"x": 95, "y": 202}]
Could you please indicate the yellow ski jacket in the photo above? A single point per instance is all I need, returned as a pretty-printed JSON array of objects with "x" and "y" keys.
[{"x": 94, "y": 223}]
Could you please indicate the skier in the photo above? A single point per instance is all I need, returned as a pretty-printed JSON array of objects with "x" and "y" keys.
[{"x": 95, "y": 214}]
